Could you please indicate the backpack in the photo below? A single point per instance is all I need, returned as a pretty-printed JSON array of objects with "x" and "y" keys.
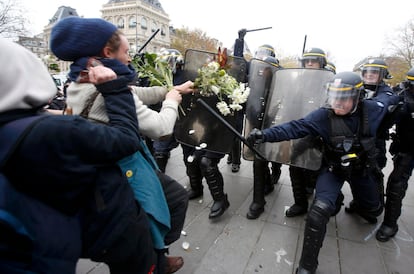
[{"x": 29, "y": 239}]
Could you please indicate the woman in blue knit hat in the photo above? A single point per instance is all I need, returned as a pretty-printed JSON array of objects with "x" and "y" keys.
[{"x": 89, "y": 42}]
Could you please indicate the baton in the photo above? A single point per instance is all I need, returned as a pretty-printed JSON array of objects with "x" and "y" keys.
[
  {"x": 304, "y": 45},
  {"x": 230, "y": 127},
  {"x": 258, "y": 29},
  {"x": 149, "y": 40}
]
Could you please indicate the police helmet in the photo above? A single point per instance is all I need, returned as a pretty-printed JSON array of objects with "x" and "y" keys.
[
  {"x": 345, "y": 88},
  {"x": 375, "y": 65},
  {"x": 314, "y": 54},
  {"x": 410, "y": 76},
  {"x": 331, "y": 67},
  {"x": 264, "y": 51},
  {"x": 173, "y": 57},
  {"x": 272, "y": 60}
]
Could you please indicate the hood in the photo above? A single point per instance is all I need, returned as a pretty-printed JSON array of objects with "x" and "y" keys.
[{"x": 25, "y": 81}]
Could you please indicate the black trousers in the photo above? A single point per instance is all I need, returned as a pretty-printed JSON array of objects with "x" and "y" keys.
[{"x": 177, "y": 200}]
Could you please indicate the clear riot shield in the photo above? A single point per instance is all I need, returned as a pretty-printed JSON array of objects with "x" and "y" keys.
[
  {"x": 260, "y": 80},
  {"x": 195, "y": 126},
  {"x": 294, "y": 94}
]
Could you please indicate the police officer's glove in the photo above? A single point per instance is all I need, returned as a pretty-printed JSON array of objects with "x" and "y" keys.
[{"x": 255, "y": 137}]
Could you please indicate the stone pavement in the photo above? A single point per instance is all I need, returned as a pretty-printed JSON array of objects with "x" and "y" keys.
[{"x": 233, "y": 244}]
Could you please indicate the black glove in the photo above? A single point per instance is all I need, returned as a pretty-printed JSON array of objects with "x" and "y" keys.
[
  {"x": 255, "y": 137},
  {"x": 242, "y": 33}
]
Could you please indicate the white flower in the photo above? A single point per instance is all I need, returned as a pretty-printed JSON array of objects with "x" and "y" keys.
[
  {"x": 215, "y": 89},
  {"x": 223, "y": 108},
  {"x": 235, "y": 107}
]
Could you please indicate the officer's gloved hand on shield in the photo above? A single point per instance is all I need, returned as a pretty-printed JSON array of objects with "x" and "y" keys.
[{"x": 255, "y": 137}]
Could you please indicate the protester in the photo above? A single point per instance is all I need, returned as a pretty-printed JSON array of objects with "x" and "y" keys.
[
  {"x": 107, "y": 45},
  {"x": 68, "y": 162}
]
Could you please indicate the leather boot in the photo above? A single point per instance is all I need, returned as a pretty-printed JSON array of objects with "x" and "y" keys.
[
  {"x": 385, "y": 233},
  {"x": 396, "y": 188},
  {"x": 296, "y": 210},
  {"x": 215, "y": 183},
  {"x": 255, "y": 210},
  {"x": 218, "y": 207},
  {"x": 315, "y": 230},
  {"x": 173, "y": 264},
  {"x": 370, "y": 215}
]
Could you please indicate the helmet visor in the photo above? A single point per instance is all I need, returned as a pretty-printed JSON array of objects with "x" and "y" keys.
[
  {"x": 372, "y": 75},
  {"x": 264, "y": 52},
  {"x": 342, "y": 98}
]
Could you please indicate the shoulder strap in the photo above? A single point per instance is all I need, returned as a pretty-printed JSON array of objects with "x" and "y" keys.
[{"x": 12, "y": 133}]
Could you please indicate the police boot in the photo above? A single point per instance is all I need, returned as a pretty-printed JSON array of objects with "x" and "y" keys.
[
  {"x": 300, "y": 206},
  {"x": 338, "y": 203},
  {"x": 370, "y": 215},
  {"x": 259, "y": 177},
  {"x": 315, "y": 230},
  {"x": 162, "y": 160},
  {"x": 195, "y": 177},
  {"x": 215, "y": 183},
  {"x": 395, "y": 193}
]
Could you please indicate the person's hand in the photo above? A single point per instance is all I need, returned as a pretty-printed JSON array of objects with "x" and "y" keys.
[
  {"x": 174, "y": 95},
  {"x": 255, "y": 137},
  {"x": 184, "y": 88},
  {"x": 100, "y": 74}
]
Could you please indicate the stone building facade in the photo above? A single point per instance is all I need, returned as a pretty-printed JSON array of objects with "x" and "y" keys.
[{"x": 139, "y": 20}]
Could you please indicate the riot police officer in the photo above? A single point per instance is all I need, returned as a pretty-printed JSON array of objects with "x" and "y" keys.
[
  {"x": 263, "y": 178},
  {"x": 303, "y": 180},
  {"x": 403, "y": 158},
  {"x": 373, "y": 72},
  {"x": 347, "y": 126}
]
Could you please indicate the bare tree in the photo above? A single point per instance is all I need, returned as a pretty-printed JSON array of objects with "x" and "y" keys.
[
  {"x": 12, "y": 20},
  {"x": 402, "y": 43},
  {"x": 184, "y": 39}
]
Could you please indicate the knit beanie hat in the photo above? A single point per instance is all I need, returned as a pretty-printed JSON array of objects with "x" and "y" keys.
[{"x": 75, "y": 37}]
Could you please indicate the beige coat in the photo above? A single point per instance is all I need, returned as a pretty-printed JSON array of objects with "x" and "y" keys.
[{"x": 152, "y": 124}]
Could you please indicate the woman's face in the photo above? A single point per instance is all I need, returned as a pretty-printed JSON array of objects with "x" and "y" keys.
[{"x": 122, "y": 54}]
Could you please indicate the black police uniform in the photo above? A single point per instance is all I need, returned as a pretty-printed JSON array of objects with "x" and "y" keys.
[
  {"x": 403, "y": 158},
  {"x": 348, "y": 142}
]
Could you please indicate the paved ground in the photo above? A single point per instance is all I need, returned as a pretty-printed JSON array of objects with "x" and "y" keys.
[{"x": 272, "y": 244}]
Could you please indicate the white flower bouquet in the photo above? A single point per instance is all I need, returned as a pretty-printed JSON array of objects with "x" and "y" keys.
[{"x": 214, "y": 80}]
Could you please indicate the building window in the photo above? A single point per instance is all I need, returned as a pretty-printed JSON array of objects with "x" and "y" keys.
[
  {"x": 121, "y": 23},
  {"x": 144, "y": 23},
  {"x": 154, "y": 26},
  {"x": 132, "y": 22},
  {"x": 163, "y": 32}
]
